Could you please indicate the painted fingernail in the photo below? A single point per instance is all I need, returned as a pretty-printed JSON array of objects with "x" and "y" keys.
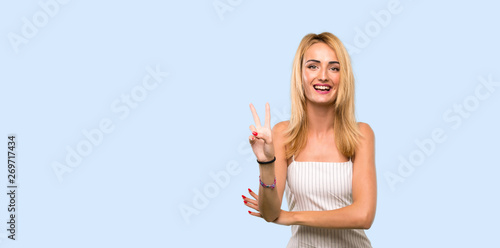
[
  {"x": 250, "y": 190},
  {"x": 249, "y": 212},
  {"x": 255, "y": 133},
  {"x": 243, "y": 196},
  {"x": 245, "y": 202}
]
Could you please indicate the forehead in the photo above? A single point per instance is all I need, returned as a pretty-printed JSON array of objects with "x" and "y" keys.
[{"x": 320, "y": 51}]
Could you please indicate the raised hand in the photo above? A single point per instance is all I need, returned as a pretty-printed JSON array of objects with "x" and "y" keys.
[{"x": 261, "y": 139}]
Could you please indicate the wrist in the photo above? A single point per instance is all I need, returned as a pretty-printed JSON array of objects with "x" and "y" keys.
[
  {"x": 294, "y": 217},
  {"x": 267, "y": 161}
]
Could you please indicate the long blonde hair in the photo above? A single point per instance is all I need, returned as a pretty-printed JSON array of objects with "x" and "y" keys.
[{"x": 345, "y": 126}]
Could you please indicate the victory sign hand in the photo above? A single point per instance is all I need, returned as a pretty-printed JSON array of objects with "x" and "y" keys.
[{"x": 261, "y": 139}]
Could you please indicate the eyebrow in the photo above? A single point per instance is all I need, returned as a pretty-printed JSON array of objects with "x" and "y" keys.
[{"x": 317, "y": 61}]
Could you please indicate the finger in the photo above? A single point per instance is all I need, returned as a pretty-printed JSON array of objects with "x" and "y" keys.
[
  {"x": 255, "y": 116},
  {"x": 263, "y": 136},
  {"x": 252, "y": 128},
  {"x": 248, "y": 204},
  {"x": 253, "y": 194},
  {"x": 251, "y": 139},
  {"x": 257, "y": 134},
  {"x": 268, "y": 116},
  {"x": 255, "y": 214},
  {"x": 251, "y": 203}
]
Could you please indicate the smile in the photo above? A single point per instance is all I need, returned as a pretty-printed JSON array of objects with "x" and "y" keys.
[{"x": 322, "y": 89}]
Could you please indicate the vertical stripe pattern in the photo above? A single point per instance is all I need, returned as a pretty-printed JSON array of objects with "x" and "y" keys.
[{"x": 320, "y": 186}]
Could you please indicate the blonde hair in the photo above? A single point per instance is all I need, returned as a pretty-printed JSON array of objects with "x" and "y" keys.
[{"x": 345, "y": 126}]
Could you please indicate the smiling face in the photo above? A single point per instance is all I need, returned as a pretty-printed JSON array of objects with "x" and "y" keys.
[{"x": 320, "y": 74}]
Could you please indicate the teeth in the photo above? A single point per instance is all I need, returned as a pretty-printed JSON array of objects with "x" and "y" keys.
[{"x": 321, "y": 87}]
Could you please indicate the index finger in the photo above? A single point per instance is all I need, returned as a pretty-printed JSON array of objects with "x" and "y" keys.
[
  {"x": 253, "y": 195},
  {"x": 255, "y": 116}
]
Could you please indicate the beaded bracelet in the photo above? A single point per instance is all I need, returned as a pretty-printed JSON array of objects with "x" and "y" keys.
[{"x": 268, "y": 186}]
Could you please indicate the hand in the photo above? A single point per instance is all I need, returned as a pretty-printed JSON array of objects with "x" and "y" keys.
[
  {"x": 262, "y": 140},
  {"x": 285, "y": 218}
]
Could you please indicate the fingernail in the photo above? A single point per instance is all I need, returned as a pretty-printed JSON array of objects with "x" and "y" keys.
[
  {"x": 254, "y": 133},
  {"x": 250, "y": 190},
  {"x": 245, "y": 202},
  {"x": 243, "y": 196},
  {"x": 249, "y": 212}
]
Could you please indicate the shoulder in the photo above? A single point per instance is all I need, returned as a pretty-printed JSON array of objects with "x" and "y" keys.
[
  {"x": 281, "y": 126},
  {"x": 366, "y": 131},
  {"x": 366, "y": 146},
  {"x": 279, "y": 130}
]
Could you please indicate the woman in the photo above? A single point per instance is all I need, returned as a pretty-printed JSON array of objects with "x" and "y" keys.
[{"x": 321, "y": 157}]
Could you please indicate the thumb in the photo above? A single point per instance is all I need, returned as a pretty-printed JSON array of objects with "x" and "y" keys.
[{"x": 263, "y": 136}]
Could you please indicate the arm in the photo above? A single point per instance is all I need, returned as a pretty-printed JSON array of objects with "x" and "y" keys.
[
  {"x": 361, "y": 213},
  {"x": 270, "y": 200}
]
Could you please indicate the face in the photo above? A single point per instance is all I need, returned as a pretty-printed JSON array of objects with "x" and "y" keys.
[{"x": 320, "y": 74}]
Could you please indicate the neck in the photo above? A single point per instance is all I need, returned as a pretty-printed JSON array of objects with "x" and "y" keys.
[{"x": 320, "y": 119}]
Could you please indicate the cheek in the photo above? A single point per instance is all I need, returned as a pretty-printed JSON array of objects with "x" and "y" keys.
[
  {"x": 335, "y": 78},
  {"x": 307, "y": 77}
]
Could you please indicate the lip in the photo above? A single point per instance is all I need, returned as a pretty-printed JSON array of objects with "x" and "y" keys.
[{"x": 323, "y": 92}]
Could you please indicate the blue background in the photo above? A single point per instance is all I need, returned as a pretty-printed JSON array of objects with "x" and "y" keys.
[{"x": 411, "y": 70}]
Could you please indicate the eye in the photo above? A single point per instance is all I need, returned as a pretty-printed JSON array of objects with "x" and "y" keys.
[
  {"x": 335, "y": 69},
  {"x": 312, "y": 67}
]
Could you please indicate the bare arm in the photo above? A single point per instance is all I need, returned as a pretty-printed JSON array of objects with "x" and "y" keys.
[
  {"x": 270, "y": 199},
  {"x": 361, "y": 213}
]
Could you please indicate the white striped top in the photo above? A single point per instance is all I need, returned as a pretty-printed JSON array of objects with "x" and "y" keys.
[{"x": 320, "y": 186}]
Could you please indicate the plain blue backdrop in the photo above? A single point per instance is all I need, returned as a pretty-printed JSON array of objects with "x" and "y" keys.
[{"x": 132, "y": 117}]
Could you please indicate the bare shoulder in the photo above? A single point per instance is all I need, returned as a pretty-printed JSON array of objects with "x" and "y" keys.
[
  {"x": 279, "y": 133},
  {"x": 280, "y": 128},
  {"x": 366, "y": 131},
  {"x": 365, "y": 151}
]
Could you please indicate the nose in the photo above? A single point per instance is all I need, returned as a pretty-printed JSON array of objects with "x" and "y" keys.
[{"x": 322, "y": 75}]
